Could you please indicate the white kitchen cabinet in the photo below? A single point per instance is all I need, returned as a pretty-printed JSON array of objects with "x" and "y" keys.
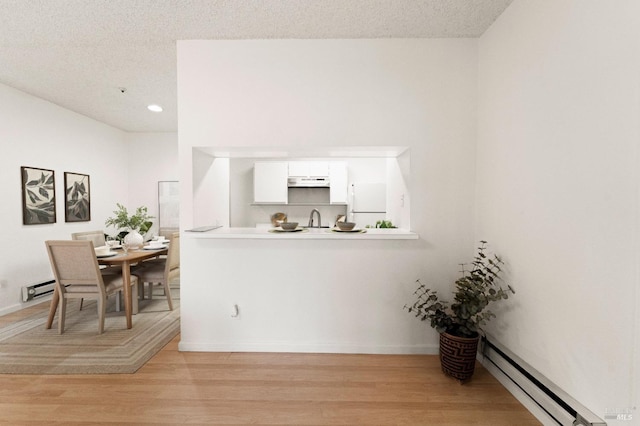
[
  {"x": 270, "y": 182},
  {"x": 308, "y": 168},
  {"x": 338, "y": 180}
]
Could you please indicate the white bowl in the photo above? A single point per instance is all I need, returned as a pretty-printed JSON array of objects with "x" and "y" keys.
[
  {"x": 102, "y": 250},
  {"x": 346, "y": 226}
]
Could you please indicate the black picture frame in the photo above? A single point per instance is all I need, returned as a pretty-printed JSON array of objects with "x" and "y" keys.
[
  {"x": 77, "y": 197},
  {"x": 38, "y": 196}
]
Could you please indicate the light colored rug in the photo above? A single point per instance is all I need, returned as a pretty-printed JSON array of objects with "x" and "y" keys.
[{"x": 26, "y": 347}]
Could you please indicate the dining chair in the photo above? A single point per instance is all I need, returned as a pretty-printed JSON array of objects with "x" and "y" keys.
[
  {"x": 99, "y": 240},
  {"x": 161, "y": 270},
  {"x": 97, "y": 237},
  {"x": 78, "y": 276}
]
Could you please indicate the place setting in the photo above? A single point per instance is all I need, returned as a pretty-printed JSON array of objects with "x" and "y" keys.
[
  {"x": 348, "y": 227},
  {"x": 288, "y": 227},
  {"x": 157, "y": 243},
  {"x": 104, "y": 251}
]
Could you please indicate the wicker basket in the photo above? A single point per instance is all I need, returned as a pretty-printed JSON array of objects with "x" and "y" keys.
[{"x": 458, "y": 356}]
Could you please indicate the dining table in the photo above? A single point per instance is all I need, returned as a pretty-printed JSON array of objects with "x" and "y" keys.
[{"x": 125, "y": 260}]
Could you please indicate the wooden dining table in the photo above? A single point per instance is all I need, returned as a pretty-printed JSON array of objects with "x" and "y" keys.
[{"x": 132, "y": 257}]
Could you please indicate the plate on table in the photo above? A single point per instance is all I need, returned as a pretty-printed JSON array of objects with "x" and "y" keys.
[
  {"x": 162, "y": 247},
  {"x": 109, "y": 254},
  {"x": 287, "y": 230},
  {"x": 353, "y": 231}
]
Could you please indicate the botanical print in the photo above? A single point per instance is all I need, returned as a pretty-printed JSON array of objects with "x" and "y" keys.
[
  {"x": 38, "y": 196},
  {"x": 77, "y": 197}
]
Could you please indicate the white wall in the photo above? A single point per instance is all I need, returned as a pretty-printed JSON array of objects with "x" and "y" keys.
[
  {"x": 39, "y": 134},
  {"x": 558, "y": 186},
  {"x": 152, "y": 157},
  {"x": 319, "y": 93}
]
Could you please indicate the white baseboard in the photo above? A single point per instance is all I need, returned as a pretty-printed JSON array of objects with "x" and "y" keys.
[
  {"x": 308, "y": 348},
  {"x": 19, "y": 306},
  {"x": 10, "y": 309}
]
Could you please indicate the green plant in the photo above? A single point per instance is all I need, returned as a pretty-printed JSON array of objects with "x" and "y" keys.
[
  {"x": 475, "y": 289},
  {"x": 383, "y": 224},
  {"x": 138, "y": 221}
]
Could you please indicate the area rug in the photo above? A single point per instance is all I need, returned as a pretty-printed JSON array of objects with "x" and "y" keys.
[{"x": 26, "y": 347}]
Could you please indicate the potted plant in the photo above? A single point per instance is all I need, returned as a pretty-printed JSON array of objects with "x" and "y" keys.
[
  {"x": 460, "y": 323},
  {"x": 131, "y": 227},
  {"x": 383, "y": 224}
]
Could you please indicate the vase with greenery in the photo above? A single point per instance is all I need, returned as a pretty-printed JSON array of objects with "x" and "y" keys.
[
  {"x": 134, "y": 225},
  {"x": 461, "y": 321}
]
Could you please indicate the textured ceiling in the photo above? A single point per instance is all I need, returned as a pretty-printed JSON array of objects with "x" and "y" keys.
[{"x": 78, "y": 53}]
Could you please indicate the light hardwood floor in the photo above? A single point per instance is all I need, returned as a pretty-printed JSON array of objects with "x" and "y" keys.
[{"x": 264, "y": 388}]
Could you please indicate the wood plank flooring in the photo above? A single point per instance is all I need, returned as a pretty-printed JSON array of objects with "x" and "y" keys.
[{"x": 265, "y": 389}]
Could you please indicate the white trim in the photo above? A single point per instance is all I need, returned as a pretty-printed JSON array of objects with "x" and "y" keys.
[{"x": 309, "y": 348}]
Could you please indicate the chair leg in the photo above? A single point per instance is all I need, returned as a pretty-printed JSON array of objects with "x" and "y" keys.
[
  {"x": 140, "y": 290},
  {"x": 167, "y": 292},
  {"x": 62, "y": 314},
  {"x": 81, "y": 300},
  {"x": 102, "y": 311},
  {"x": 134, "y": 299}
]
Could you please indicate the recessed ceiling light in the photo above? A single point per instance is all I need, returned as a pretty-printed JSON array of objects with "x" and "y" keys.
[{"x": 154, "y": 108}]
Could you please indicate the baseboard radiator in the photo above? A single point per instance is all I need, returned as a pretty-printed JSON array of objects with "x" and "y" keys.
[
  {"x": 561, "y": 407},
  {"x": 37, "y": 290}
]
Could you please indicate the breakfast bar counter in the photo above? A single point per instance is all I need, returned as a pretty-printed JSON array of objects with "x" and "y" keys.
[
  {"x": 313, "y": 290},
  {"x": 305, "y": 234}
]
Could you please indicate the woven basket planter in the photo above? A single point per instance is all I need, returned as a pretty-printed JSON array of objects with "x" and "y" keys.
[{"x": 458, "y": 356}]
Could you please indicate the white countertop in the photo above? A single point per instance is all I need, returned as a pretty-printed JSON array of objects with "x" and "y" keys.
[{"x": 306, "y": 234}]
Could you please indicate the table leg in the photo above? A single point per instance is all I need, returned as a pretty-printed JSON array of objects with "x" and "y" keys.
[
  {"x": 126, "y": 291},
  {"x": 53, "y": 307}
]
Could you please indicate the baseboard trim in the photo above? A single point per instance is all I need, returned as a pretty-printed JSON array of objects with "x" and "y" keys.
[
  {"x": 185, "y": 346},
  {"x": 12, "y": 308},
  {"x": 19, "y": 306}
]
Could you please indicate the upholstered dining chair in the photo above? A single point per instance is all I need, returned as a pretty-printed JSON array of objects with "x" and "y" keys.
[
  {"x": 97, "y": 237},
  {"x": 78, "y": 276},
  {"x": 161, "y": 270}
]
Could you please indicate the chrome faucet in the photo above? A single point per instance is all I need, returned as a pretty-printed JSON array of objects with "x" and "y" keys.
[{"x": 311, "y": 218}]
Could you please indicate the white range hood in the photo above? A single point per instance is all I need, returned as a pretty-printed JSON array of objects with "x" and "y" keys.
[{"x": 308, "y": 182}]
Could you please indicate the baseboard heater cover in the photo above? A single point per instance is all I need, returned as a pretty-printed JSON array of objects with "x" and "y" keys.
[
  {"x": 561, "y": 407},
  {"x": 38, "y": 290}
]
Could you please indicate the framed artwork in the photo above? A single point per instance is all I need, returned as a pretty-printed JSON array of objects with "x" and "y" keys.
[
  {"x": 77, "y": 201},
  {"x": 38, "y": 196}
]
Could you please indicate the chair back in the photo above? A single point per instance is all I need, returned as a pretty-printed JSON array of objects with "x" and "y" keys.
[
  {"x": 75, "y": 266},
  {"x": 97, "y": 237},
  {"x": 172, "y": 266}
]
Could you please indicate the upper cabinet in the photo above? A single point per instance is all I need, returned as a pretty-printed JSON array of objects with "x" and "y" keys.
[
  {"x": 308, "y": 168},
  {"x": 270, "y": 182},
  {"x": 338, "y": 182}
]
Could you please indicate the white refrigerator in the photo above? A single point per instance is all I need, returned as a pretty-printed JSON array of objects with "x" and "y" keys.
[{"x": 368, "y": 203}]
